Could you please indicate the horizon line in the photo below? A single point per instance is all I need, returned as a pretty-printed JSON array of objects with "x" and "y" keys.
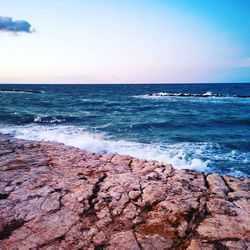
[{"x": 132, "y": 83}]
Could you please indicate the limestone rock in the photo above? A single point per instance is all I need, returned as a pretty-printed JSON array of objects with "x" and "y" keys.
[
  {"x": 57, "y": 197},
  {"x": 217, "y": 184},
  {"x": 123, "y": 241}
]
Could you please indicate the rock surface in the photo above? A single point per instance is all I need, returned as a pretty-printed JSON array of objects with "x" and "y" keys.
[{"x": 57, "y": 197}]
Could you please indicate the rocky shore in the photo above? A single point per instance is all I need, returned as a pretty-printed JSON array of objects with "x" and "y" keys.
[{"x": 57, "y": 197}]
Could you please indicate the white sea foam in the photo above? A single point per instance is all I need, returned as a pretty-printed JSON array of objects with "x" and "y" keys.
[
  {"x": 21, "y": 91},
  {"x": 46, "y": 119},
  {"x": 196, "y": 95},
  {"x": 38, "y": 119},
  {"x": 176, "y": 154},
  {"x": 209, "y": 93}
]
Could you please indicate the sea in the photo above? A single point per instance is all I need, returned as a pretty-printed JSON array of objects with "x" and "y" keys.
[{"x": 205, "y": 127}]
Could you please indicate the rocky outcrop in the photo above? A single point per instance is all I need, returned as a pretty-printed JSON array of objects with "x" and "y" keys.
[
  {"x": 57, "y": 197},
  {"x": 205, "y": 95}
]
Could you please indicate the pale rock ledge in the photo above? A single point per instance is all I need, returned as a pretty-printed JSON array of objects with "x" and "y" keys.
[{"x": 57, "y": 197}]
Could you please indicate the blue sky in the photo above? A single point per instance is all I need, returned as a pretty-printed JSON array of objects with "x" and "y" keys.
[{"x": 110, "y": 41}]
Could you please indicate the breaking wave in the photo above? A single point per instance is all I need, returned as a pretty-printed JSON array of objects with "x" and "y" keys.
[
  {"x": 204, "y": 95},
  {"x": 21, "y": 91},
  {"x": 49, "y": 119},
  {"x": 176, "y": 154}
]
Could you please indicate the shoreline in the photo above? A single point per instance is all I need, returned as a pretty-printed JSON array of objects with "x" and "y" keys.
[{"x": 55, "y": 196}]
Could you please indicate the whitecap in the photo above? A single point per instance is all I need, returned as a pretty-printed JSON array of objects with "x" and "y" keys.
[
  {"x": 47, "y": 119},
  {"x": 176, "y": 154}
]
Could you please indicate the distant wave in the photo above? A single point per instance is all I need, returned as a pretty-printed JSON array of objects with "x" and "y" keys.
[
  {"x": 22, "y": 119},
  {"x": 207, "y": 94},
  {"x": 20, "y": 91},
  {"x": 49, "y": 119}
]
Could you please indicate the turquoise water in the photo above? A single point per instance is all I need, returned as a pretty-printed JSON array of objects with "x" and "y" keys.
[{"x": 208, "y": 134}]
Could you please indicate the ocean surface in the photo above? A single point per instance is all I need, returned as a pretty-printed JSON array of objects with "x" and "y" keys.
[{"x": 208, "y": 130}]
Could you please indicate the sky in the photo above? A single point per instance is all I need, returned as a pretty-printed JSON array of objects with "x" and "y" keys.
[{"x": 124, "y": 41}]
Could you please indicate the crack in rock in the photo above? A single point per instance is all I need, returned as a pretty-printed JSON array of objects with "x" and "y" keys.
[
  {"x": 10, "y": 227},
  {"x": 91, "y": 210}
]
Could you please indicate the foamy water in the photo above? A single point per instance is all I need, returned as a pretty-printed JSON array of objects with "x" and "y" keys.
[
  {"x": 200, "y": 126},
  {"x": 97, "y": 142}
]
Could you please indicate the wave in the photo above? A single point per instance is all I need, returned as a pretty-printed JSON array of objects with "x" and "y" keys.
[
  {"x": 48, "y": 119},
  {"x": 58, "y": 119},
  {"x": 24, "y": 118},
  {"x": 21, "y": 91},
  {"x": 203, "y": 156},
  {"x": 204, "y": 95},
  {"x": 176, "y": 154}
]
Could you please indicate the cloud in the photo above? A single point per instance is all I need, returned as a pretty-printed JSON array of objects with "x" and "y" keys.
[{"x": 9, "y": 25}]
